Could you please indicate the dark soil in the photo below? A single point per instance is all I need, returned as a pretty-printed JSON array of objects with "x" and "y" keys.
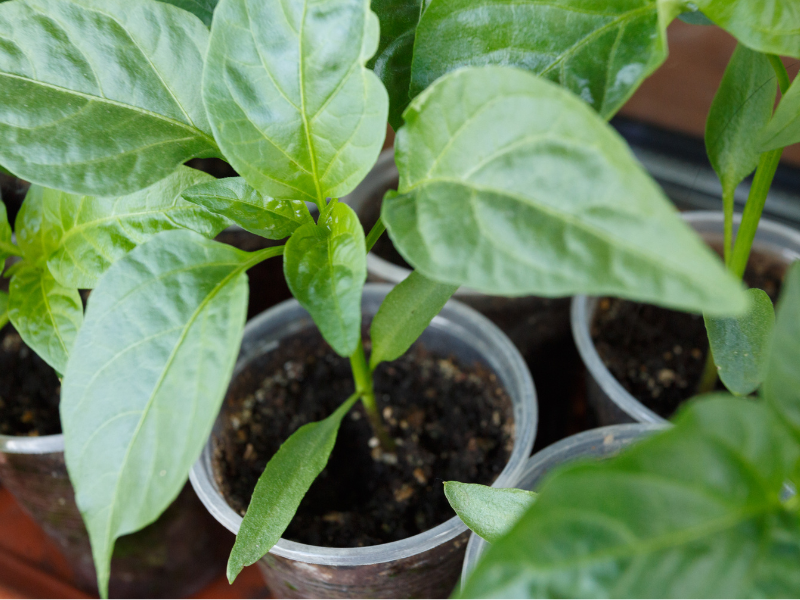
[
  {"x": 29, "y": 389},
  {"x": 658, "y": 355},
  {"x": 12, "y": 193},
  {"x": 452, "y": 422}
]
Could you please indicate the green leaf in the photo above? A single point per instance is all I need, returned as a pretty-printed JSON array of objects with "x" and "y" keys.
[
  {"x": 784, "y": 127},
  {"x": 404, "y": 314},
  {"x": 693, "y": 512},
  {"x": 599, "y": 51},
  {"x": 204, "y": 9},
  {"x": 326, "y": 266},
  {"x": 286, "y": 479},
  {"x": 146, "y": 379},
  {"x": 511, "y": 185},
  {"x": 740, "y": 345},
  {"x": 489, "y": 512},
  {"x": 5, "y": 235},
  {"x": 289, "y": 99},
  {"x": 3, "y": 309},
  {"x": 769, "y": 26},
  {"x": 392, "y": 62},
  {"x": 268, "y": 217},
  {"x": 782, "y": 380},
  {"x": 46, "y": 315},
  {"x": 37, "y": 236},
  {"x": 96, "y": 232},
  {"x": 100, "y": 97}
]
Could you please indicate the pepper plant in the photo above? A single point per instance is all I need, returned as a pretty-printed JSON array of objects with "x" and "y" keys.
[{"x": 509, "y": 183}]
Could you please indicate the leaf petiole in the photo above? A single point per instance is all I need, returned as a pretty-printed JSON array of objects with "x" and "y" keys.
[
  {"x": 375, "y": 233},
  {"x": 780, "y": 72},
  {"x": 8, "y": 248}
]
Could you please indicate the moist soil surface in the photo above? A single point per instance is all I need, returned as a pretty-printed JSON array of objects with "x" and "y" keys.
[
  {"x": 29, "y": 389},
  {"x": 658, "y": 355},
  {"x": 452, "y": 421}
]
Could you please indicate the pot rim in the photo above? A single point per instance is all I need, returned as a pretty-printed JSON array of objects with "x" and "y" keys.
[
  {"x": 502, "y": 349},
  {"x": 769, "y": 233},
  {"x": 23, "y": 444}
]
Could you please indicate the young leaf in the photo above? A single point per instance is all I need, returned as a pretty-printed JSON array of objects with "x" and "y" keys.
[
  {"x": 784, "y": 128},
  {"x": 741, "y": 108},
  {"x": 100, "y": 96},
  {"x": 404, "y": 314},
  {"x": 769, "y": 26},
  {"x": 3, "y": 309},
  {"x": 36, "y": 233},
  {"x": 511, "y": 185},
  {"x": 326, "y": 266},
  {"x": 740, "y": 345},
  {"x": 286, "y": 479},
  {"x": 782, "y": 380},
  {"x": 392, "y": 62},
  {"x": 258, "y": 214},
  {"x": 204, "y": 9},
  {"x": 146, "y": 378},
  {"x": 489, "y": 512},
  {"x": 601, "y": 52},
  {"x": 46, "y": 315},
  {"x": 692, "y": 512},
  {"x": 289, "y": 99},
  {"x": 96, "y": 232}
]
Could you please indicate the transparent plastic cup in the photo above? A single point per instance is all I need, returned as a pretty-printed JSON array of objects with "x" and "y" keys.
[
  {"x": 426, "y": 565},
  {"x": 174, "y": 557},
  {"x": 612, "y": 402},
  {"x": 602, "y": 442}
]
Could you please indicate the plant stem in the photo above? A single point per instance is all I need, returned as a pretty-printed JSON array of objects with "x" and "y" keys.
[
  {"x": 710, "y": 373},
  {"x": 727, "y": 209},
  {"x": 362, "y": 376},
  {"x": 262, "y": 255},
  {"x": 780, "y": 72},
  {"x": 11, "y": 249},
  {"x": 375, "y": 233}
]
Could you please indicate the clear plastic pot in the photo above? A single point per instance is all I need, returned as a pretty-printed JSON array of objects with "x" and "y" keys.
[
  {"x": 598, "y": 443},
  {"x": 425, "y": 565},
  {"x": 612, "y": 402},
  {"x": 174, "y": 557}
]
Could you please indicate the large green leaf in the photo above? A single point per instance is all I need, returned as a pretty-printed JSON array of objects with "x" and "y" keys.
[
  {"x": 268, "y": 217},
  {"x": 286, "y": 479},
  {"x": 3, "y": 309},
  {"x": 741, "y": 108},
  {"x": 100, "y": 96},
  {"x": 46, "y": 315},
  {"x": 489, "y": 512},
  {"x": 511, "y": 185},
  {"x": 325, "y": 266},
  {"x": 204, "y": 9},
  {"x": 404, "y": 314},
  {"x": 289, "y": 99},
  {"x": 599, "y": 50},
  {"x": 692, "y": 512},
  {"x": 741, "y": 345},
  {"x": 146, "y": 379},
  {"x": 96, "y": 232},
  {"x": 36, "y": 234},
  {"x": 782, "y": 380},
  {"x": 769, "y": 26},
  {"x": 784, "y": 128},
  {"x": 392, "y": 61}
]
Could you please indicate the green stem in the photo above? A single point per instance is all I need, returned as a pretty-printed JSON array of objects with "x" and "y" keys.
[
  {"x": 710, "y": 373},
  {"x": 767, "y": 165},
  {"x": 8, "y": 248},
  {"x": 363, "y": 380},
  {"x": 780, "y": 72},
  {"x": 262, "y": 255},
  {"x": 374, "y": 233},
  {"x": 727, "y": 210}
]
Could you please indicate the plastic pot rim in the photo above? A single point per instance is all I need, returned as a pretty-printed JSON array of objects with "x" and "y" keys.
[{"x": 23, "y": 444}]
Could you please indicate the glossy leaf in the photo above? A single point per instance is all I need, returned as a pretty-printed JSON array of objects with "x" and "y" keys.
[
  {"x": 392, "y": 62},
  {"x": 326, "y": 266},
  {"x": 233, "y": 198},
  {"x": 46, "y": 315},
  {"x": 286, "y": 479},
  {"x": 36, "y": 235},
  {"x": 100, "y": 96},
  {"x": 692, "y": 512},
  {"x": 782, "y": 381},
  {"x": 96, "y": 232},
  {"x": 3, "y": 309},
  {"x": 404, "y": 314},
  {"x": 146, "y": 379},
  {"x": 290, "y": 101},
  {"x": 489, "y": 512},
  {"x": 769, "y": 26},
  {"x": 599, "y": 51},
  {"x": 513, "y": 186},
  {"x": 784, "y": 128},
  {"x": 204, "y": 9},
  {"x": 740, "y": 345}
]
